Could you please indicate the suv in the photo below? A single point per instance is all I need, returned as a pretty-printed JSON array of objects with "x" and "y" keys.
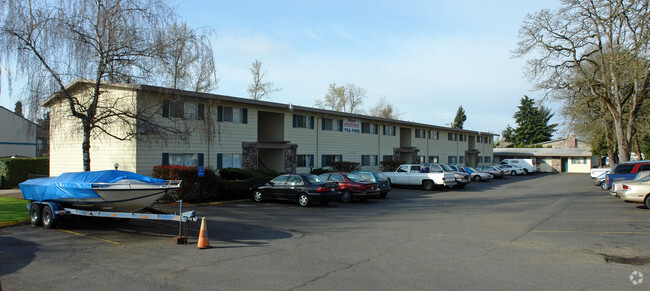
[{"x": 625, "y": 171}]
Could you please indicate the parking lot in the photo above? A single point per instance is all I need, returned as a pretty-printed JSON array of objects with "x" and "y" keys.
[{"x": 539, "y": 231}]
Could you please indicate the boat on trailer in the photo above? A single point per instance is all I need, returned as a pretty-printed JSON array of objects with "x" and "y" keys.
[{"x": 110, "y": 190}]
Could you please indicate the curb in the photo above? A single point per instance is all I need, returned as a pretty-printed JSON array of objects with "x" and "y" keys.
[
  {"x": 4, "y": 224},
  {"x": 213, "y": 203}
]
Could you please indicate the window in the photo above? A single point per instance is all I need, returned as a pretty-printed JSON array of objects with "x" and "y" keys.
[
  {"x": 305, "y": 161},
  {"x": 182, "y": 159},
  {"x": 232, "y": 114},
  {"x": 420, "y": 133},
  {"x": 479, "y": 139},
  {"x": 332, "y": 124},
  {"x": 180, "y": 109},
  {"x": 389, "y": 130},
  {"x": 462, "y": 137},
  {"x": 434, "y": 159},
  {"x": 452, "y": 160},
  {"x": 422, "y": 159},
  {"x": 488, "y": 160},
  {"x": 328, "y": 160},
  {"x": 434, "y": 134},
  {"x": 228, "y": 161},
  {"x": 452, "y": 136},
  {"x": 387, "y": 158},
  {"x": 487, "y": 140},
  {"x": 302, "y": 121},
  {"x": 479, "y": 159},
  {"x": 368, "y": 160},
  {"x": 461, "y": 160},
  {"x": 582, "y": 161},
  {"x": 369, "y": 128}
]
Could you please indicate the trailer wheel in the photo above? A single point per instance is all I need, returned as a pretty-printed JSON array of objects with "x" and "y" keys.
[
  {"x": 48, "y": 217},
  {"x": 35, "y": 214}
]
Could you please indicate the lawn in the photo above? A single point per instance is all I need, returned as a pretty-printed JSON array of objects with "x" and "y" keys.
[{"x": 13, "y": 209}]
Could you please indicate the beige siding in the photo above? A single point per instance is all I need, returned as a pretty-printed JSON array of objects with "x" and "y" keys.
[{"x": 577, "y": 167}]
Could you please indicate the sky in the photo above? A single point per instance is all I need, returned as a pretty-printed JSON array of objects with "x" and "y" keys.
[{"x": 426, "y": 58}]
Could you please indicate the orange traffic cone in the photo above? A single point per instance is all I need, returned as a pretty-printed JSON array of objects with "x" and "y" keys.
[{"x": 203, "y": 236}]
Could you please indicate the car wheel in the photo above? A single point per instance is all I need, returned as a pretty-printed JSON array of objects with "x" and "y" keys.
[
  {"x": 525, "y": 172},
  {"x": 346, "y": 196},
  {"x": 258, "y": 197},
  {"x": 303, "y": 200},
  {"x": 35, "y": 214},
  {"x": 477, "y": 178},
  {"x": 604, "y": 186},
  {"x": 428, "y": 185},
  {"x": 647, "y": 201},
  {"x": 513, "y": 173},
  {"x": 48, "y": 217}
]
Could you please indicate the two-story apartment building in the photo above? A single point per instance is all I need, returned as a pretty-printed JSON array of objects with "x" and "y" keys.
[{"x": 200, "y": 129}]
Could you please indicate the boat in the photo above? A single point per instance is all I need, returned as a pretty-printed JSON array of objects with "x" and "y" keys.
[{"x": 110, "y": 190}]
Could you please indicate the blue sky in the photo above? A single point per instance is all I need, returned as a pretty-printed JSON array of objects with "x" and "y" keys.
[{"x": 425, "y": 57}]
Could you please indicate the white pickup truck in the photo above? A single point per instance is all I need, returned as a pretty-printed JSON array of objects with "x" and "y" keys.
[{"x": 417, "y": 175}]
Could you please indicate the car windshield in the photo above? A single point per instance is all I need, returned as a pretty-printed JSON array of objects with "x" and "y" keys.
[
  {"x": 367, "y": 176},
  {"x": 447, "y": 168},
  {"x": 472, "y": 169},
  {"x": 381, "y": 177},
  {"x": 313, "y": 179},
  {"x": 355, "y": 178}
]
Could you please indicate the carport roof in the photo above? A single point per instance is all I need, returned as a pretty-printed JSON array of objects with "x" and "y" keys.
[{"x": 543, "y": 152}]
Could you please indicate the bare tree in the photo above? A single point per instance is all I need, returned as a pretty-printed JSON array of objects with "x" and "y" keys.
[
  {"x": 384, "y": 109},
  {"x": 347, "y": 98},
  {"x": 260, "y": 89},
  {"x": 606, "y": 44},
  {"x": 187, "y": 59},
  {"x": 55, "y": 42}
]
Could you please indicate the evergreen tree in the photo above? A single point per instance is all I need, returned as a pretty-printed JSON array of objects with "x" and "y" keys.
[
  {"x": 460, "y": 118},
  {"x": 19, "y": 108},
  {"x": 532, "y": 124}
]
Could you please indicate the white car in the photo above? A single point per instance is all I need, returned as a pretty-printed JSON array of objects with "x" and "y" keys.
[
  {"x": 512, "y": 170},
  {"x": 478, "y": 176},
  {"x": 636, "y": 191}
]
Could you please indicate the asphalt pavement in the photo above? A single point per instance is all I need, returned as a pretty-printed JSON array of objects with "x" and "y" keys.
[{"x": 541, "y": 231}]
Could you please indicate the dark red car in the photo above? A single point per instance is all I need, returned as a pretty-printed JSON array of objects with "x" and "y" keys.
[{"x": 352, "y": 186}]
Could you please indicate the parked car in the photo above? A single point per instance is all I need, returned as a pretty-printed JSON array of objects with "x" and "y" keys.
[
  {"x": 626, "y": 171},
  {"x": 462, "y": 177},
  {"x": 528, "y": 165},
  {"x": 379, "y": 178},
  {"x": 497, "y": 173},
  {"x": 352, "y": 186},
  {"x": 617, "y": 186},
  {"x": 636, "y": 191},
  {"x": 426, "y": 176},
  {"x": 512, "y": 170},
  {"x": 304, "y": 189},
  {"x": 600, "y": 180},
  {"x": 478, "y": 176}
]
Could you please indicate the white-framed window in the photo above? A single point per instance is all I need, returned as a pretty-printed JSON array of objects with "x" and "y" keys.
[
  {"x": 182, "y": 159},
  {"x": 579, "y": 161},
  {"x": 305, "y": 161},
  {"x": 420, "y": 133},
  {"x": 180, "y": 109},
  {"x": 229, "y": 161},
  {"x": 434, "y": 159},
  {"x": 488, "y": 160},
  {"x": 328, "y": 160},
  {"x": 422, "y": 159},
  {"x": 452, "y": 136},
  {"x": 461, "y": 160},
  {"x": 332, "y": 124},
  {"x": 368, "y": 160},
  {"x": 479, "y": 159},
  {"x": 452, "y": 160},
  {"x": 434, "y": 134},
  {"x": 303, "y": 121},
  {"x": 462, "y": 137},
  {"x": 232, "y": 114},
  {"x": 390, "y": 130},
  {"x": 371, "y": 128}
]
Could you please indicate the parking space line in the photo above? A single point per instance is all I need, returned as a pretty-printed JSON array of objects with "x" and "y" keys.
[
  {"x": 591, "y": 232},
  {"x": 600, "y": 219},
  {"x": 90, "y": 237}
]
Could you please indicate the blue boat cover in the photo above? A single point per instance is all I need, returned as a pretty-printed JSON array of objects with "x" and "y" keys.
[{"x": 75, "y": 185}]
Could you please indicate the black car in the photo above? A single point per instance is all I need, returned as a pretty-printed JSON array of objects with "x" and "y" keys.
[{"x": 295, "y": 187}]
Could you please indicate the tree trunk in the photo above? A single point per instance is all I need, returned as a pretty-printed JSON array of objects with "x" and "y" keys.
[
  {"x": 85, "y": 146},
  {"x": 623, "y": 145}
]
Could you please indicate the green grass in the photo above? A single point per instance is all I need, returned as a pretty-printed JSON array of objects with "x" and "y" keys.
[{"x": 13, "y": 209}]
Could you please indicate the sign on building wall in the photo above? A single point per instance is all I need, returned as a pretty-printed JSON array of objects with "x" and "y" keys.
[{"x": 351, "y": 125}]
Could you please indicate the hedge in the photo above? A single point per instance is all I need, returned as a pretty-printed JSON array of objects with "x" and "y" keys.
[{"x": 16, "y": 170}]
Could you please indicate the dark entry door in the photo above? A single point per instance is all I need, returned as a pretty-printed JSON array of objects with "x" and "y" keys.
[{"x": 565, "y": 164}]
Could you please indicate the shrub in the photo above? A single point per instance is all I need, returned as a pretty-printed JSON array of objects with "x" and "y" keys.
[
  {"x": 390, "y": 166},
  {"x": 17, "y": 170},
  {"x": 345, "y": 166},
  {"x": 320, "y": 171},
  {"x": 237, "y": 183},
  {"x": 193, "y": 188}
]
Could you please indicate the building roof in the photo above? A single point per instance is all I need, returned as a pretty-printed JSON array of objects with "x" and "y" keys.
[
  {"x": 16, "y": 115},
  {"x": 177, "y": 92},
  {"x": 543, "y": 152}
]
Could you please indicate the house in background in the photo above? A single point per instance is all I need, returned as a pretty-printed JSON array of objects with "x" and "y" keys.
[
  {"x": 566, "y": 155},
  {"x": 18, "y": 135},
  {"x": 225, "y": 131}
]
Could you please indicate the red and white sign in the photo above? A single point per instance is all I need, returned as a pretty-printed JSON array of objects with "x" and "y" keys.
[{"x": 351, "y": 125}]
